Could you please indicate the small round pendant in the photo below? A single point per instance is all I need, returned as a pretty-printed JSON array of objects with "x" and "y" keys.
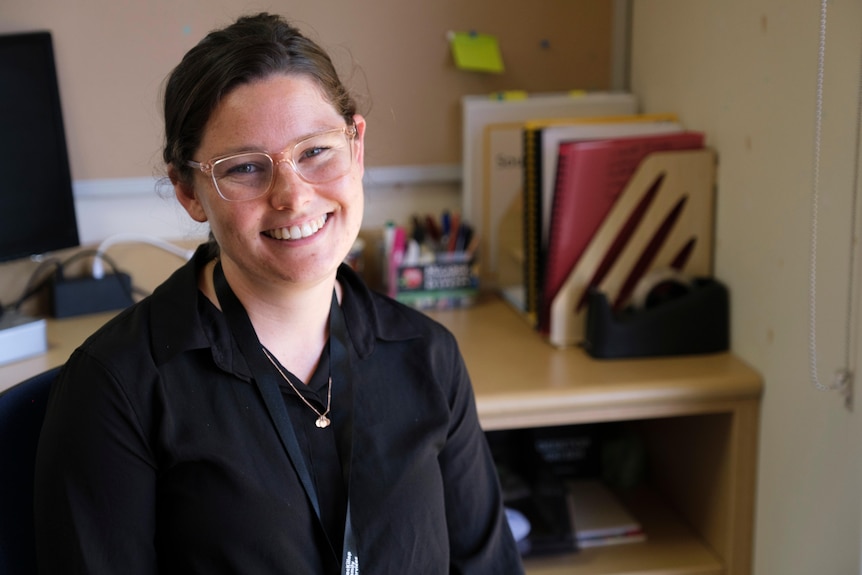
[{"x": 322, "y": 422}]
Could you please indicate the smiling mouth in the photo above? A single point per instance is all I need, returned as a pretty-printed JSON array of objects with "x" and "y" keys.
[{"x": 298, "y": 232}]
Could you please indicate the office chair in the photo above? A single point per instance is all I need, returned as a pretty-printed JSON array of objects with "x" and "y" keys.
[{"x": 22, "y": 409}]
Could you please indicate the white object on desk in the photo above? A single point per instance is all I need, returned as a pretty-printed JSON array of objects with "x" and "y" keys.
[
  {"x": 518, "y": 523},
  {"x": 21, "y": 336}
]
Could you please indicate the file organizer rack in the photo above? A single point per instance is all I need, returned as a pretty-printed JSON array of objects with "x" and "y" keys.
[{"x": 663, "y": 218}]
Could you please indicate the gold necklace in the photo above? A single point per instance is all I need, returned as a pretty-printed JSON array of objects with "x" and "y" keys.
[{"x": 322, "y": 420}]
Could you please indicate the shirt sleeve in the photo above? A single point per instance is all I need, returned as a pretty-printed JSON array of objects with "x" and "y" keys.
[
  {"x": 95, "y": 478},
  {"x": 481, "y": 542}
]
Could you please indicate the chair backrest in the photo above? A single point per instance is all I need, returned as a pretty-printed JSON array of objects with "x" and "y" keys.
[{"x": 22, "y": 409}]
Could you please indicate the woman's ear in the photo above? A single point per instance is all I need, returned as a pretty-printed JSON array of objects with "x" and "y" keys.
[
  {"x": 359, "y": 140},
  {"x": 187, "y": 196}
]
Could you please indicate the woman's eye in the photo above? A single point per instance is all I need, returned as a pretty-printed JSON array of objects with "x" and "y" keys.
[
  {"x": 244, "y": 169},
  {"x": 312, "y": 152}
]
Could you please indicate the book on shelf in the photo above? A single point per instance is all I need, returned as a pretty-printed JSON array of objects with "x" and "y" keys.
[
  {"x": 541, "y": 143},
  {"x": 599, "y": 518},
  {"x": 590, "y": 177},
  {"x": 566, "y": 516},
  {"x": 492, "y": 154}
]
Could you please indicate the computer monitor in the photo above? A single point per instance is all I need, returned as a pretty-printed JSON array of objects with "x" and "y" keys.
[{"x": 37, "y": 210}]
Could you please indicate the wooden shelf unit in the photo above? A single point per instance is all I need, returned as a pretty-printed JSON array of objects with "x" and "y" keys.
[{"x": 698, "y": 416}]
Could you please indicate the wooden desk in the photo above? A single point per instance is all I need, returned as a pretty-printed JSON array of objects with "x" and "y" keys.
[{"x": 698, "y": 416}]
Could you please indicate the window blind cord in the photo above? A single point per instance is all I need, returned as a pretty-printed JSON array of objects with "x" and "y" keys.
[
  {"x": 843, "y": 378},
  {"x": 852, "y": 297}
]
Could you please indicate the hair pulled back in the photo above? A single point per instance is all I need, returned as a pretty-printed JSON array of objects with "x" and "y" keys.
[{"x": 252, "y": 48}]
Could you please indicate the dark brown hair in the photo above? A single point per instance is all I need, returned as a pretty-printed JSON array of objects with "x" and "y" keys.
[{"x": 251, "y": 48}]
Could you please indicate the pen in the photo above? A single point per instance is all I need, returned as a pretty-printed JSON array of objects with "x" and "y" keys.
[
  {"x": 445, "y": 229},
  {"x": 388, "y": 241},
  {"x": 418, "y": 231},
  {"x": 465, "y": 234},
  {"x": 432, "y": 229},
  {"x": 455, "y": 223},
  {"x": 398, "y": 244}
]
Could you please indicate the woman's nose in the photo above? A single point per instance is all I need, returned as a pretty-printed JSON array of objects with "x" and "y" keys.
[{"x": 289, "y": 191}]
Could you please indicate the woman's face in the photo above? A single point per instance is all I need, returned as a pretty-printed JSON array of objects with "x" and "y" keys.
[{"x": 271, "y": 115}]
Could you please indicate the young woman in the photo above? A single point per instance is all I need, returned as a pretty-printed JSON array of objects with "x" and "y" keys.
[{"x": 263, "y": 411}]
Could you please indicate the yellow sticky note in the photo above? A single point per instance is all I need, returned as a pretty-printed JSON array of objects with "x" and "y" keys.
[
  {"x": 478, "y": 52},
  {"x": 509, "y": 95}
]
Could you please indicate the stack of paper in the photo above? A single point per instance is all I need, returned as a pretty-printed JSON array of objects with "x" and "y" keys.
[
  {"x": 21, "y": 337},
  {"x": 599, "y": 517}
]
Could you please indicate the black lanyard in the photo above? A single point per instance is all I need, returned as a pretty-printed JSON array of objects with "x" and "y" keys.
[{"x": 268, "y": 386}]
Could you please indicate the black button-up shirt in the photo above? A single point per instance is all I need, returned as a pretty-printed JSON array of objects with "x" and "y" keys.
[{"x": 158, "y": 455}]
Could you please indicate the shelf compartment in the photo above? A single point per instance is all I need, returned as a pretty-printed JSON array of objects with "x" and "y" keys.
[{"x": 671, "y": 548}]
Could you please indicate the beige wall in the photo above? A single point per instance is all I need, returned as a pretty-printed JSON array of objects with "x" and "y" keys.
[
  {"x": 113, "y": 55},
  {"x": 745, "y": 72}
]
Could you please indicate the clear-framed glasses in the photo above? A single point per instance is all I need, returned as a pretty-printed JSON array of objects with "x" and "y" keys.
[{"x": 318, "y": 159}]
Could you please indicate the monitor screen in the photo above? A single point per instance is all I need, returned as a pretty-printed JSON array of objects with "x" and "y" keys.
[{"x": 37, "y": 210}]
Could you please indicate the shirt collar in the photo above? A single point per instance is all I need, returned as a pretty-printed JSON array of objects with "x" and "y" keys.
[
  {"x": 183, "y": 320},
  {"x": 371, "y": 316},
  {"x": 178, "y": 318}
]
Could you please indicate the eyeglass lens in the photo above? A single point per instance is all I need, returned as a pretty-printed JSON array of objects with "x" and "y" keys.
[{"x": 319, "y": 159}]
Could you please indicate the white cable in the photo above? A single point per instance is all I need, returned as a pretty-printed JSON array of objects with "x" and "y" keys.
[
  {"x": 815, "y": 194},
  {"x": 98, "y": 270},
  {"x": 843, "y": 376}
]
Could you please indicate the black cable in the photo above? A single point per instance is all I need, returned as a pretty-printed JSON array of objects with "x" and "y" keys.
[{"x": 33, "y": 286}]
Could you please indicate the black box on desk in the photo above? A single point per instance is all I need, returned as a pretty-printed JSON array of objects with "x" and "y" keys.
[
  {"x": 81, "y": 296},
  {"x": 694, "y": 322},
  {"x": 449, "y": 280}
]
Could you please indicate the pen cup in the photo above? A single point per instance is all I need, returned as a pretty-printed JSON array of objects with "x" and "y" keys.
[{"x": 446, "y": 281}]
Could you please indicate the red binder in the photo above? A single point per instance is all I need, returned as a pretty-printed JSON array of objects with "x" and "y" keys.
[{"x": 590, "y": 177}]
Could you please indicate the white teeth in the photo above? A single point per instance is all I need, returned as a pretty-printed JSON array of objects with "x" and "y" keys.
[{"x": 298, "y": 232}]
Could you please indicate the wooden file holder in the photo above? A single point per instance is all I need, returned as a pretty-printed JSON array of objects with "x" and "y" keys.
[{"x": 671, "y": 198}]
